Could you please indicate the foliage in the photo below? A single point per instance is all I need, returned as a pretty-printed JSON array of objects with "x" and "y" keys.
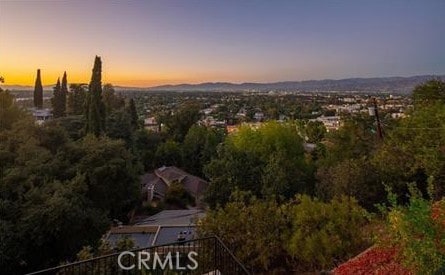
[
  {"x": 414, "y": 150},
  {"x": 76, "y": 99},
  {"x": 357, "y": 178},
  {"x": 326, "y": 233},
  {"x": 111, "y": 100},
  {"x": 344, "y": 166},
  {"x": 266, "y": 161},
  {"x": 57, "y": 101},
  {"x": 179, "y": 123},
  {"x": 304, "y": 234},
  {"x": 9, "y": 112},
  {"x": 111, "y": 174},
  {"x": 58, "y": 193},
  {"x": 64, "y": 93},
  {"x": 134, "y": 118},
  {"x": 253, "y": 229},
  {"x": 418, "y": 231},
  {"x": 95, "y": 108},
  {"x": 430, "y": 92},
  {"x": 168, "y": 154},
  {"x": 315, "y": 131},
  {"x": 38, "y": 92},
  {"x": 118, "y": 126},
  {"x": 125, "y": 243},
  {"x": 375, "y": 260},
  {"x": 199, "y": 147},
  {"x": 72, "y": 125},
  {"x": 145, "y": 144},
  {"x": 177, "y": 195}
]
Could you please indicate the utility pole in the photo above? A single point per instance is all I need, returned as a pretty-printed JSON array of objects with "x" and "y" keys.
[{"x": 377, "y": 118}]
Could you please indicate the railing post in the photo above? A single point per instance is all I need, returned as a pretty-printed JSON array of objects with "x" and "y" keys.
[{"x": 214, "y": 254}]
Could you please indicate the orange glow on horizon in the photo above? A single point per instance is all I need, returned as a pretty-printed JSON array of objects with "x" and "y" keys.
[{"x": 49, "y": 77}]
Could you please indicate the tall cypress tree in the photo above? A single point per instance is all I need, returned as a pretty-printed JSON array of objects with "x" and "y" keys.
[
  {"x": 38, "y": 92},
  {"x": 56, "y": 100},
  {"x": 95, "y": 108},
  {"x": 63, "y": 94},
  {"x": 131, "y": 108}
]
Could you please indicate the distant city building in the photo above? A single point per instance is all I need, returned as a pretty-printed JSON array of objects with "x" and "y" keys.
[
  {"x": 42, "y": 115},
  {"x": 210, "y": 121},
  {"x": 151, "y": 124},
  {"x": 259, "y": 116},
  {"x": 330, "y": 122}
]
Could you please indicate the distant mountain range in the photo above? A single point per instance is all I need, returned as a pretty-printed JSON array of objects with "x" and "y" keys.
[{"x": 377, "y": 84}]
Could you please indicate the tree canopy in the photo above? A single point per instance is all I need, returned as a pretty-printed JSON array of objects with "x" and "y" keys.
[{"x": 95, "y": 108}]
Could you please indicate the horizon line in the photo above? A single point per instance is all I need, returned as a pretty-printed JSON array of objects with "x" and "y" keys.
[{"x": 238, "y": 83}]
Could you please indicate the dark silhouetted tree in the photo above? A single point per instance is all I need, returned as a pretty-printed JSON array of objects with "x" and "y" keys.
[
  {"x": 133, "y": 114},
  {"x": 429, "y": 93},
  {"x": 112, "y": 101},
  {"x": 76, "y": 99},
  {"x": 38, "y": 92},
  {"x": 63, "y": 93},
  {"x": 56, "y": 101},
  {"x": 95, "y": 108}
]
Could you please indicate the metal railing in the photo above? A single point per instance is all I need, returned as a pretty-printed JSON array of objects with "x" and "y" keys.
[{"x": 199, "y": 256}]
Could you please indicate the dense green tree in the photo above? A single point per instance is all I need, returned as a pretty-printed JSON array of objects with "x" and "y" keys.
[
  {"x": 178, "y": 196},
  {"x": 281, "y": 177},
  {"x": 9, "y": 112},
  {"x": 326, "y": 233},
  {"x": 430, "y": 92},
  {"x": 414, "y": 150},
  {"x": 58, "y": 193},
  {"x": 64, "y": 93},
  {"x": 57, "y": 101},
  {"x": 168, "y": 154},
  {"x": 119, "y": 126},
  {"x": 344, "y": 167},
  {"x": 357, "y": 178},
  {"x": 111, "y": 173},
  {"x": 355, "y": 139},
  {"x": 179, "y": 123},
  {"x": 231, "y": 170},
  {"x": 199, "y": 147},
  {"x": 59, "y": 220},
  {"x": 73, "y": 125},
  {"x": 315, "y": 131},
  {"x": 95, "y": 108},
  {"x": 38, "y": 92},
  {"x": 76, "y": 99},
  {"x": 298, "y": 236},
  {"x": 416, "y": 229},
  {"x": 265, "y": 160},
  {"x": 111, "y": 101},
  {"x": 145, "y": 144},
  {"x": 134, "y": 118},
  {"x": 255, "y": 230}
]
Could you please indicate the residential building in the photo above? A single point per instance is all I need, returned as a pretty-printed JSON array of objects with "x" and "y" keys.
[{"x": 155, "y": 185}]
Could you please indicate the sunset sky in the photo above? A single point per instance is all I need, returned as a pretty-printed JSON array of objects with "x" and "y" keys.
[{"x": 147, "y": 43}]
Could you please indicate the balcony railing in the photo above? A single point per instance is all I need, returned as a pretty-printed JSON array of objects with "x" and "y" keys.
[{"x": 199, "y": 256}]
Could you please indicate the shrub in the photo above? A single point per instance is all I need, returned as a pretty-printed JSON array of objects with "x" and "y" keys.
[
  {"x": 324, "y": 234},
  {"x": 178, "y": 196},
  {"x": 418, "y": 231}
]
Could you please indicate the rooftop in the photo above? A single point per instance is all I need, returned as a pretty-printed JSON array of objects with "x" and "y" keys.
[{"x": 174, "y": 218}]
